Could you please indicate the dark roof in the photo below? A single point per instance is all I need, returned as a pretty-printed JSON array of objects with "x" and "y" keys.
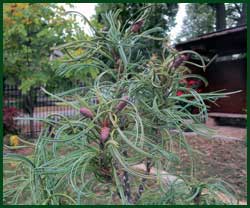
[{"x": 223, "y": 42}]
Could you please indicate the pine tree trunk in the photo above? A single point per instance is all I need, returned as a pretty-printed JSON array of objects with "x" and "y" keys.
[
  {"x": 220, "y": 16},
  {"x": 242, "y": 19}
]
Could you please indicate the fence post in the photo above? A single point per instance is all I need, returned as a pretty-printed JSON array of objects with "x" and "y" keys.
[{"x": 28, "y": 106}]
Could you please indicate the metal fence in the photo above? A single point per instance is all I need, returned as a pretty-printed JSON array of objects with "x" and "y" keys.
[{"x": 34, "y": 104}]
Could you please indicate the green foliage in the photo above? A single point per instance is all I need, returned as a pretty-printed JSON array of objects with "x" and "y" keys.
[
  {"x": 159, "y": 15},
  {"x": 131, "y": 115},
  {"x": 30, "y": 30},
  {"x": 201, "y": 19},
  {"x": 191, "y": 193}
]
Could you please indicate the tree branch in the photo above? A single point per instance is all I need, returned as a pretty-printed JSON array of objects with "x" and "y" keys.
[
  {"x": 141, "y": 186},
  {"x": 238, "y": 8},
  {"x": 127, "y": 189}
]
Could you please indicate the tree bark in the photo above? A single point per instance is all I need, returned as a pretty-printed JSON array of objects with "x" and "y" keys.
[
  {"x": 143, "y": 181},
  {"x": 220, "y": 16},
  {"x": 242, "y": 19},
  {"x": 127, "y": 191}
]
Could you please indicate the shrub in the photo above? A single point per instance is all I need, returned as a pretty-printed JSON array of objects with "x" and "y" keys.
[
  {"x": 9, "y": 124},
  {"x": 131, "y": 116}
]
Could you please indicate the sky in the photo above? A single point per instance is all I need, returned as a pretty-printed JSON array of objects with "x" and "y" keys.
[
  {"x": 179, "y": 20},
  {"x": 88, "y": 9}
]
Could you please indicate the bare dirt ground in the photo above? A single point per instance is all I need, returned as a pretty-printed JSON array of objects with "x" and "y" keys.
[
  {"x": 222, "y": 158},
  {"x": 227, "y": 130}
]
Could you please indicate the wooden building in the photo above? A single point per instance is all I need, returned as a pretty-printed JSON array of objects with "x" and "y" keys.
[{"x": 228, "y": 71}]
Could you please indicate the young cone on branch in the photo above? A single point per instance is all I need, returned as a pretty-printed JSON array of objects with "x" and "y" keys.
[
  {"x": 122, "y": 104},
  {"x": 137, "y": 26},
  {"x": 105, "y": 131},
  {"x": 86, "y": 112},
  {"x": 178, "y": 61}
]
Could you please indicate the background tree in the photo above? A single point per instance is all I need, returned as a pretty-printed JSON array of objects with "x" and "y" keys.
[
  {"x": 220, "y": 15},
  {"x": 161, "y": 15},
  {"x": 205, "y": 18},
  {"x": 199, "y": 19},
  {"x": 236, "y": 14},
  {"x": 30, "y": 30}
]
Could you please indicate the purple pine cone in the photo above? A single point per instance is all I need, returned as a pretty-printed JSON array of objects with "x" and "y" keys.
[
  {"x": 178, "y": 61},
  {"x": 104, "y": 133},
  {"x": 122, "y": 103},
  {"x": 86, "y": 112},
  {"x": 137, "y": 26}
]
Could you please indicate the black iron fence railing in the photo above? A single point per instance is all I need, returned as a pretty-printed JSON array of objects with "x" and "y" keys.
[{"x": 34, "y": 104}]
